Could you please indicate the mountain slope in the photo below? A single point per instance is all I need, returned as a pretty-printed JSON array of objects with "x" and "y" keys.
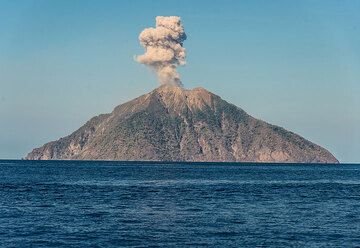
[{"x": 174, "y": 124}]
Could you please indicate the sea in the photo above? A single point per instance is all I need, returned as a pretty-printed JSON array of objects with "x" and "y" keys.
[{"x": 141, "y": 204}]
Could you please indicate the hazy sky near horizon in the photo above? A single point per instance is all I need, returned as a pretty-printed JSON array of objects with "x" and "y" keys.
[{"x": 291, "y": 63}]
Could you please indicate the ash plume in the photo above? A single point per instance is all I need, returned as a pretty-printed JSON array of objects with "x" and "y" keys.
[{"x": 164, "y": 49}]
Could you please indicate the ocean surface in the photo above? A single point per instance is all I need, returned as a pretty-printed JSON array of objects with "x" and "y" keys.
[{"x": 120, "y": 204}]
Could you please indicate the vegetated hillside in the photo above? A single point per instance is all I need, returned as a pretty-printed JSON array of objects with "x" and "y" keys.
[{"x": 174, "y": 124}]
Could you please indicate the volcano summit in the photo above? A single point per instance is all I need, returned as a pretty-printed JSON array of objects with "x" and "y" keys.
[{"x": 174, "y": 124}]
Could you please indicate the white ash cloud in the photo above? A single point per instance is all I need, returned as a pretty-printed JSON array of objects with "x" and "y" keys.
[{"x": 164, "y": 49}]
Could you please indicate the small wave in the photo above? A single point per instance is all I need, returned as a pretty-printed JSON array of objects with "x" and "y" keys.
[{"x": 194, "y": 182}]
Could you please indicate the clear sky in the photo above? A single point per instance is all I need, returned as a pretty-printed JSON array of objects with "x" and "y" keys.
[{"x": 291, "y": 63}]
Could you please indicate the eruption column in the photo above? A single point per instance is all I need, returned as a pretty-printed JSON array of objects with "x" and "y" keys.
[{"x": 164, "y": 49}]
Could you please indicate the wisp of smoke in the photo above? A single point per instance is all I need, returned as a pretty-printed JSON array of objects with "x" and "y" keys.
[{"x": 164, "y": 49}]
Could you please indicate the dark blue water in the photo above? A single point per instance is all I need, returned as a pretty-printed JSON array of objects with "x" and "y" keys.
[{"x": 113, "y": 204}]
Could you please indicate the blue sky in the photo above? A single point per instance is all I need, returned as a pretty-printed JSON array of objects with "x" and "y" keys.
[{"x": 291, "y": 63}]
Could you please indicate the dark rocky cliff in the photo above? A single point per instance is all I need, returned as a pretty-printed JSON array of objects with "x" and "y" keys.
[{"x": 174, "y": 124}]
